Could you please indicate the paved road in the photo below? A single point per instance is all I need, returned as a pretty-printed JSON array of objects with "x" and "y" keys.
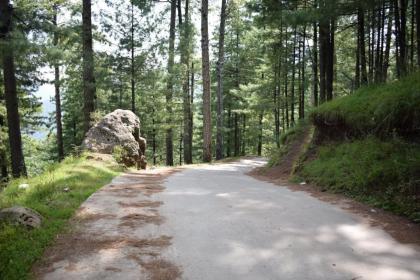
[
  {"x": 227, "y": 225},
  {"x": 213, "y": 222}
]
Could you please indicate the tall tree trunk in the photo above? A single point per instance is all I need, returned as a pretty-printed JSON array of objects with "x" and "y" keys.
[
  {"x": 219, "y": 70},
  {"x": 191, "y": 123},
  {"x": 153, "y": 135},
  {"x": 206, "y": 82},
  {"x": 89, "y": 88},
  {"x": 185, "y": 59},
  {"x": 418, "y": 31},
  {"x": 292, "y": 95},
  {"x": 362, "y": 38},
  {"x": 3, "y": 157},
  {"x": 60, "y": 147},
  {"x": 315, "y": 80},
  {"x": 412, "y": 47},
  {"x": 260, "y": 135},
  {"x": 403, "y": 37},
  {"x": 371, "y": 45},
  {"x": 382, "y": 55},
  {"x": 243, "y": 133},
  {"x": 303, "y": 75},
  {"x": 330, "y": 61},
  {"x": 379, "y": 29},
  {"x": 400, "y": 11},
  {"x": 229, "y": 135},
  {"x": 236, "y": 135},
  {"x": 10, "y": 92},
  {"x": 170, "y": 88},
  {"x": 386, "y": 61},
  {"x": 275, "y": 105},
  {"x": 181, "y": 137},
  {"x": 323, "y": 30},
  {"x": 133, "y": 83}
]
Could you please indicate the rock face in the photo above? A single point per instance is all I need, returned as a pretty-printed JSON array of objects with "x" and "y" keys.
[
  {"x": 120, "y": 128},
  {"x": 21, "y": 216}
]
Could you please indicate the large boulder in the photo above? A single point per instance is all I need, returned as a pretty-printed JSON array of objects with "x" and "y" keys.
[
  {"x": 19, "y": 215},
  {"x": 120, "y": 128}
]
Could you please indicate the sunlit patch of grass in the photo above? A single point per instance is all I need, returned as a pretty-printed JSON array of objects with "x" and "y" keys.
[{"x": 20, "y": 248}]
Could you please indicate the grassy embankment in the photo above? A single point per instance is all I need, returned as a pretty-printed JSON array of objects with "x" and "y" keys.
[
  {"x": 367, "y": 146},
  {"x": 20, "y": 248}
]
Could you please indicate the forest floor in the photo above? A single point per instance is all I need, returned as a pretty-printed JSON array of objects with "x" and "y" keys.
[{"x": 215, "y": 222}]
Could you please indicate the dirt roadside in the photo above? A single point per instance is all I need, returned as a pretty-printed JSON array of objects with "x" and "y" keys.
[{"x": 106, "y": 238}]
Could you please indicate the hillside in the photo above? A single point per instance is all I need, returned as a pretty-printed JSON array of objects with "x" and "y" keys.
[{"x": 364, "y": 146}]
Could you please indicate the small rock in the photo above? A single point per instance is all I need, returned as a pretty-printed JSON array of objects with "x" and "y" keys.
[
  {"x": 23, "y": 186},
  {"x": 19, "y": 215}
]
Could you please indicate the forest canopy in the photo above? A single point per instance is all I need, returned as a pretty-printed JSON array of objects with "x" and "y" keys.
[{"x": 206, "y": 82}]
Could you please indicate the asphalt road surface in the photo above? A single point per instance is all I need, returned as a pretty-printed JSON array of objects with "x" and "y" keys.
[{"x": 214, "y": 222}]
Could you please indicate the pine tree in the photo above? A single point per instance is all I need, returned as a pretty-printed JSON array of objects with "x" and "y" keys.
[{"x": 207, "y": 155}]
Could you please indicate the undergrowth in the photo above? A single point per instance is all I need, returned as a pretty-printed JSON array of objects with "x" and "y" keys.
[{"x": 20, "y": 248}]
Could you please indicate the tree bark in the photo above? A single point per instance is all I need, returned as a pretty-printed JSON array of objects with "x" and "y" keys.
[
  {"x": 10, "y": 92},
  {"x": 191, "y": 123},
  {"x": 219, "y": 70},
  {"x": 89, "y": 88},
  {"x": 418, "y": 31},
  {"x": 387, "y": 45},
  {"x": 315, "y": 80},
  {"x": 330, "y": 61},
  {"x": 323, "y": 29},
  {"x": 185, "y": 59},
  {"x": 57, "y": 97},
  {"x": 292, "y": 95},
  {"x": 206, "y": 82},
  {"x": 236, "y": 135},
  {"x": 132, "y": 72},
  {"x": 303, "y": 76},
  {"x": 170, "y": 88},
  {"x": 260, "y": 135}
]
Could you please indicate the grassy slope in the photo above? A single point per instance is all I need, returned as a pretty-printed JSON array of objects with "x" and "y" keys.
[
  {"x": 20, "y": 248},
  {"x": 379, "y": 163},
  {"x": 383, "y": 110},
  {"x": 365, "y": 147},
  {"x": 382, "y": 173}
]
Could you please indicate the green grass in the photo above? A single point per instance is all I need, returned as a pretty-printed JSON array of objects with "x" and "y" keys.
[
  {"x": 383, "y": 110},
  {"x": 286, "y": 139},
  {"x": 383, "y": 173},
  {"x": 20, "y": 248}
]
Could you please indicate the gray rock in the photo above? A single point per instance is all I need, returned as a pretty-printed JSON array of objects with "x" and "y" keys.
[
  {"x": 19, "y": 215},
  {"x": 119, "y": 128}
]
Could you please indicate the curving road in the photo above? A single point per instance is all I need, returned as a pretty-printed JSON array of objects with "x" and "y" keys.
[
  {"x": 213, "y": 222},
  {"x": 227, "y": 225}
]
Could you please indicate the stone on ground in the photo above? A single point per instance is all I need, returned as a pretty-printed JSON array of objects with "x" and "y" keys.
[
  {"x": 19, "y": 215},
  {"x": 120, "y": 128}
]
